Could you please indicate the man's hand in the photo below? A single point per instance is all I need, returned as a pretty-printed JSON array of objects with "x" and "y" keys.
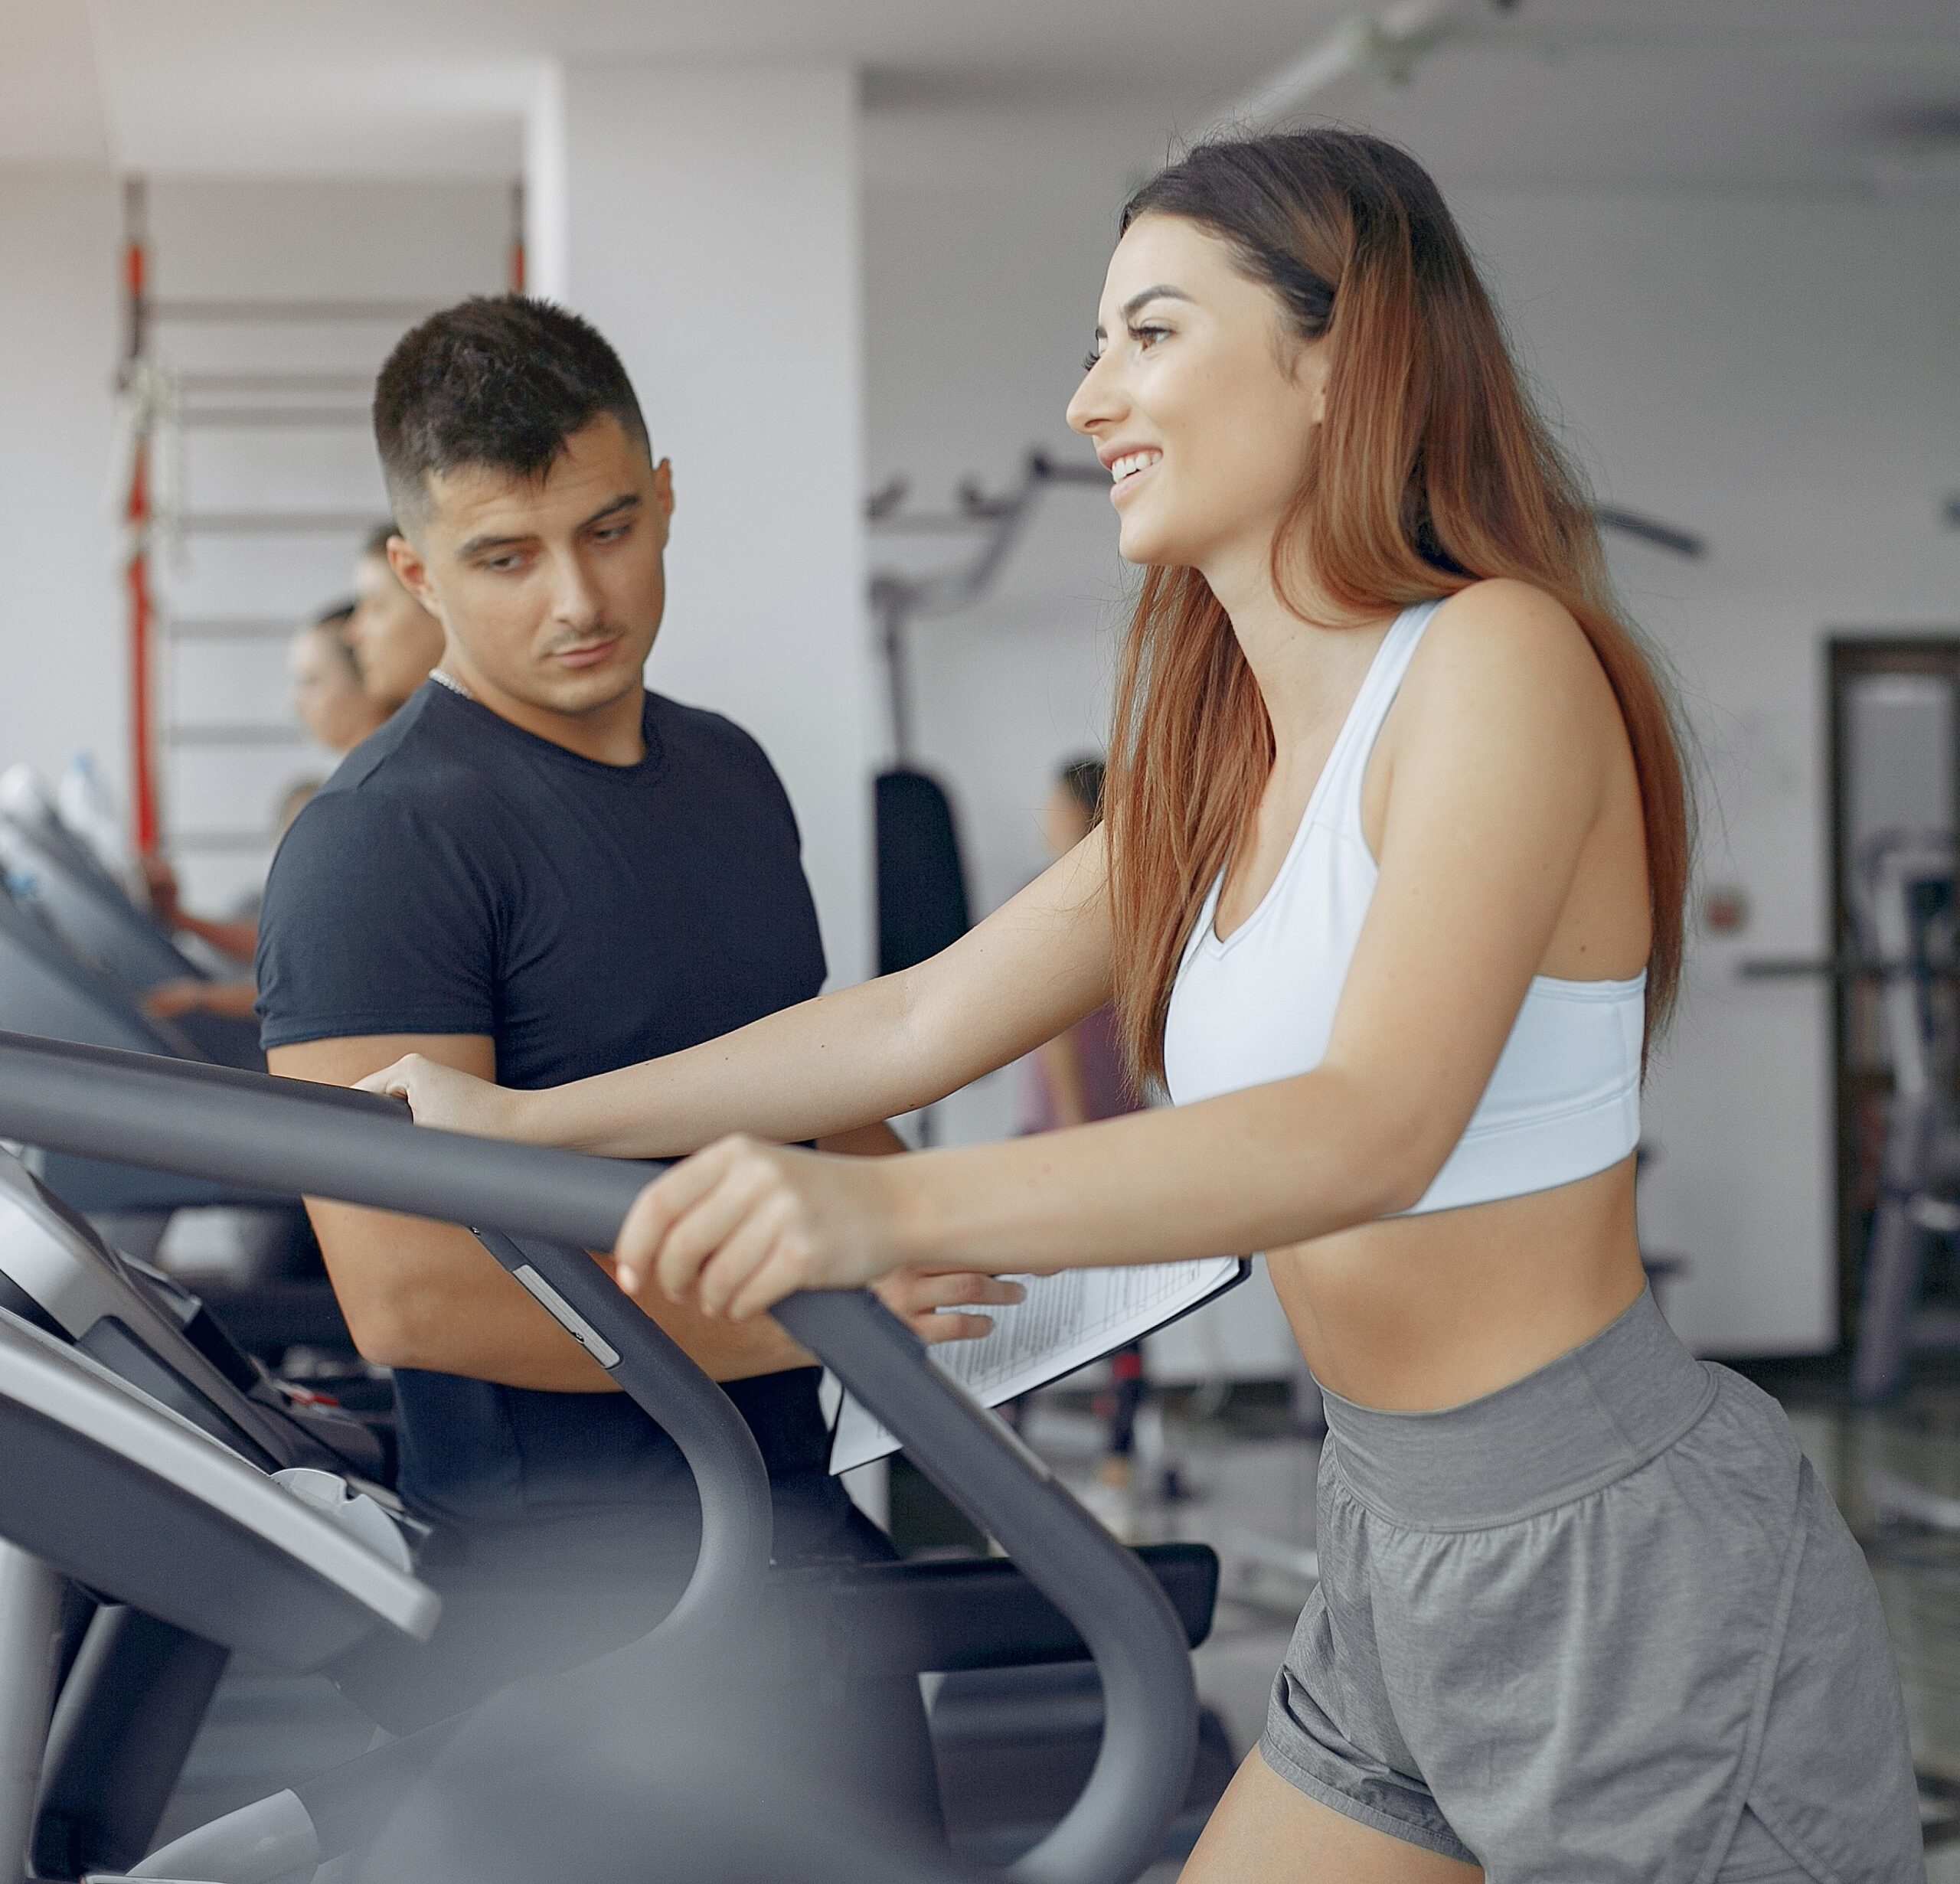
[
  {"x": 161, "y": 881},
  {"x": 925, "y": 1302},
  {"x": 928, "y": 1302}
]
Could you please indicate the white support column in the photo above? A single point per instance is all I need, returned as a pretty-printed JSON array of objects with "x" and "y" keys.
[
  {"x": 706, "y": 220},
  {"x": 62, "y": 622}
]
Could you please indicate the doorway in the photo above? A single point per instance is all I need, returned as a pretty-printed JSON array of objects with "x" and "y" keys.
[{"x": 1895, "y": 768}]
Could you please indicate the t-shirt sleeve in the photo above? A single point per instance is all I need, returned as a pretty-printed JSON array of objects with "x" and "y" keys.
[
  {"x": 748, "y": 755},
  {"x": 377, "y": 920}
]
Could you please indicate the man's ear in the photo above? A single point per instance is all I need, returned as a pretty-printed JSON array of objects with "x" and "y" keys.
[
  {"x": 412, "y": 573},
  {"x": 663, "y": 487}
]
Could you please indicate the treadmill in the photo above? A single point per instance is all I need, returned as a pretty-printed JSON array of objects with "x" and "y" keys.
[
  {"x": 53, "y": 868},
  {"x": 58, "y": 1274},
  {"x": 47, "y": 989},
  {"x": 110, "y": 1489},
  {"x": 136, "y": 1690},
  {"x": 553, "y": 1778}
]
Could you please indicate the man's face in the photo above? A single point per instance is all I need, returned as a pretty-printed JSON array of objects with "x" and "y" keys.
[
  {"x": 395, "y": 640},
  {"x": 551, "y": 589}
]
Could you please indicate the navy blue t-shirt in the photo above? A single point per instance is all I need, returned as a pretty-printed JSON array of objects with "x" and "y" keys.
[{"x": 459, "y": 875}]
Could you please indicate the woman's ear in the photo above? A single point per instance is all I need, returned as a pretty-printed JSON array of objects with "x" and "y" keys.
[{"x": 1313, "y": 369}]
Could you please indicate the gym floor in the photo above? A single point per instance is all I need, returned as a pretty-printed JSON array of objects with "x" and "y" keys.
[{"x": 1247, "y": 1486}]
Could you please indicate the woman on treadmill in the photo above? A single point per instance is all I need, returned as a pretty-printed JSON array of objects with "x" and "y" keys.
[{"x": 1390, "y": 894}]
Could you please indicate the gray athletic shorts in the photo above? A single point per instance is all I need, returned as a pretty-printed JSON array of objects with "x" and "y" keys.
[{"x": 1603, "y": 1625}]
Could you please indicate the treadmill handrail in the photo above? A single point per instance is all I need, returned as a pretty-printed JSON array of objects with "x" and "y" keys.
[
  {"x": 731, "y": 1564},
  {"x": 272, "y": 1134},
  {"x": 65, "y": 1388}
]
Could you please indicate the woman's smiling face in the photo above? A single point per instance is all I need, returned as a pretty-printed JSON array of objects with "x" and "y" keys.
[{"x": 1200, "y": 400}]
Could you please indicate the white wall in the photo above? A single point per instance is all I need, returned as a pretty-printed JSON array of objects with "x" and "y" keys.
[
  {"x": 1782, "y": 373},
  {"x": 706, "y": 220},
  {"x": 1779, "y": 372},
  {"x": 396, "y": 246},
  {"x": 62, "y": 684}
]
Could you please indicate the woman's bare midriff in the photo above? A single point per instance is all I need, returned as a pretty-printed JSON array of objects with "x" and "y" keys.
[{"x": 1418, "y": 1313}]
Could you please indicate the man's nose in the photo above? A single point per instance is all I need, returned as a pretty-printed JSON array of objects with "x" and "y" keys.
[{"x": 575, "y": 598}]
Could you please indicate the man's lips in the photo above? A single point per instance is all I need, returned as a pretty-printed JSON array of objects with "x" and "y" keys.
[{"x": 587, "y": 654}]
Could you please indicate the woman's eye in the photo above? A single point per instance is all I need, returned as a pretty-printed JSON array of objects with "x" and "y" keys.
[
  {"x": 1147, "y": 337},
  {"x": 1089, "y": 359}
]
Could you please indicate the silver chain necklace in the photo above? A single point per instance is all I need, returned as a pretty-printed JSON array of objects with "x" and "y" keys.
[{"x": 451, "y": 682}]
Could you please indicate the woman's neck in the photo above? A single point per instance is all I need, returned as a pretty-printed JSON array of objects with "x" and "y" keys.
[{"x": 1303, "y": 657}]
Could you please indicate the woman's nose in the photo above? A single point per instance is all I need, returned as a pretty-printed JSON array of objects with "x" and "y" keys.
[{"x": 1094, "y": 403}]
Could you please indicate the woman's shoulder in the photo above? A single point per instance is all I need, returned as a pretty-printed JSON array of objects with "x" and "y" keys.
[{"x": 1507, "y": 646}]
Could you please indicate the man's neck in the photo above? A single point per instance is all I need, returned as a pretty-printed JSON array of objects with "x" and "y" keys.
[{"x": 611, "y": 735}]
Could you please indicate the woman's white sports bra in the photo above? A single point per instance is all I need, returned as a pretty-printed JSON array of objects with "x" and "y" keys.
[{"x": 1564, "y": 1100}]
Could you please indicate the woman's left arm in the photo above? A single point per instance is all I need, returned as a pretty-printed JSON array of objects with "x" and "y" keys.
[{"x": 1505, "y": 736}]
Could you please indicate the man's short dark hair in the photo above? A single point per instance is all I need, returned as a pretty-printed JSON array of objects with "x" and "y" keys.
[{"x": 500, "y": 382}]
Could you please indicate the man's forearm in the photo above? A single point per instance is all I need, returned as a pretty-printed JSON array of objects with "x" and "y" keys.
[
  {"x": 417, "y": 1293},
  {"x": 450, "y": 1307}
]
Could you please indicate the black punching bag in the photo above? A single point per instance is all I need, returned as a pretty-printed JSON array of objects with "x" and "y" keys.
[{"x": 921, "y": 889}]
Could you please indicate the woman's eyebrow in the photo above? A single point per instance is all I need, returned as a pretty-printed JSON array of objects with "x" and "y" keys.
[{"x": 1162, "y": 291}]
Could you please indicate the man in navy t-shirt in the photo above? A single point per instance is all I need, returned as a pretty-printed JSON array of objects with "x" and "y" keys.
[{"x": 538, "y": 871}]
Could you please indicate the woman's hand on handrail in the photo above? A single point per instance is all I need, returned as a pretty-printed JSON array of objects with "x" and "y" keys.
[
  {"x": 738, "y": 1226},
  {"x": 451, "y": 1100},
  {"x": 938, "y": 1305}
]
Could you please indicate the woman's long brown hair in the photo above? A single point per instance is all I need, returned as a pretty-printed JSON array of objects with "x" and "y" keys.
[{"x": 1432, "y": 471}]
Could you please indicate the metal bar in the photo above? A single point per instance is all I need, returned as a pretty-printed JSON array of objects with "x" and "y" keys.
[
  {"x": 218, "y": 737},
  {"x": 146, "y": 814},
  {"x": 266, "y": 418},
  {"x": 277, "y": 523},
  {"x": 245, "y": 312},
  {"x": 30, "y": 1601},
  {"x": 230, "y": 629},
  {"x": 221, "y": 843},
  {"x": 1807, "y": 968},
  {"x": 203, "y": 382},
  {"x": 930, "y": 524},
  {"x": 1649, "y": 529}
]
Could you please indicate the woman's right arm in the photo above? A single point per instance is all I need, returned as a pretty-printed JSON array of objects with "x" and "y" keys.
[{"x": 1036, "y": 966}]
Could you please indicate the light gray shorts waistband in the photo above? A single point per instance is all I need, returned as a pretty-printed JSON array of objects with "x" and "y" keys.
[{"x": 1592, "y": 1415}]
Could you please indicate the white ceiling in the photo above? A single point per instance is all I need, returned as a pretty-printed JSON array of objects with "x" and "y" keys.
[{"x": 1703, "y": 93}]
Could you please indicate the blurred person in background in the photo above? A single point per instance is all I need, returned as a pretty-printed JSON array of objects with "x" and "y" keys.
[
  {"x": 237, "y": 995},
  {"x": 395, "y": 640},
  {"x": 329, "y": 698},
  {"x": 330, "y": 701},
  {"x": 1078, "y": 1077}
]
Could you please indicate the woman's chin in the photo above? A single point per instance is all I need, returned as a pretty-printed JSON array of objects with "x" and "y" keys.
[
  {"x": 1152, "y": 549},
  {"x": 1136, "y": 542}
]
